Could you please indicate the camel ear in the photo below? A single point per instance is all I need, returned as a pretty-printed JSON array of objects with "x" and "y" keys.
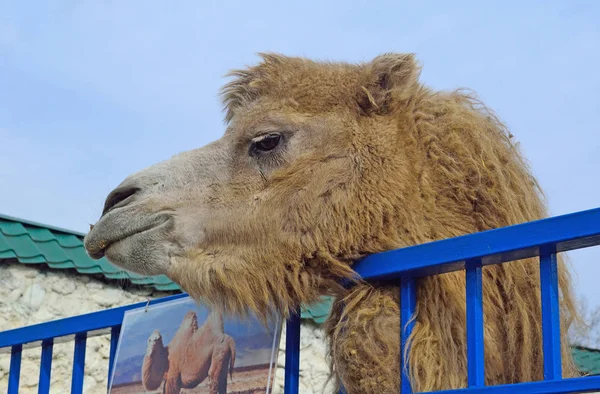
[{"x": 389, "y": 78}]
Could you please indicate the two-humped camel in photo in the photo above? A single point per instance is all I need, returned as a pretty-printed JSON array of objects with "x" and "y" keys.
[{"x": 193, "y": 355}]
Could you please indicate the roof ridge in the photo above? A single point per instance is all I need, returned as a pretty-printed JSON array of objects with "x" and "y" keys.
[
  {"x": 586, "y": 348},
  {"x": 41, "y": 225}
]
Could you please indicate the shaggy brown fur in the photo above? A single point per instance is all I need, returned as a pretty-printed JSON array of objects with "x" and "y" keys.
[
  {"x": 370, "y": 160},
  {"x": 194, "y": 354}
]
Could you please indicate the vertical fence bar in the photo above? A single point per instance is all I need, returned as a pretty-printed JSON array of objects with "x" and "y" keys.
[
  {"x": 292, "y": 354},
  {"x": 475, "y": 343},
  {"x": 408, "y": 301},
  {"x": 550, "y": 317},
  {"x": 114, "y": 342},
  {"x": 15, "y": 369},
  {"x": 45, "y": 367},
  {"x": 78, "y": 363}
]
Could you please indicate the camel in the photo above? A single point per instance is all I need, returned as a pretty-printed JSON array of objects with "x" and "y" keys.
[
  {"x": 194, "y": 354},
  {"x": 321, "y": 164},
  {"x": 155, "y": 363}
]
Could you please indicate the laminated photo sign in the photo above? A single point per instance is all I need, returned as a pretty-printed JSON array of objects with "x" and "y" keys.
[{"x": 181, "y": 346}]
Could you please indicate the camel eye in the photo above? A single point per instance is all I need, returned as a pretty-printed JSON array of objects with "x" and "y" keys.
[{"x": 265, "y": 143}]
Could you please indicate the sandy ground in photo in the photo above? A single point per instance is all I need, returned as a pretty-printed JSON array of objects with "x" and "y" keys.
[{"x": 244, "y": 382}]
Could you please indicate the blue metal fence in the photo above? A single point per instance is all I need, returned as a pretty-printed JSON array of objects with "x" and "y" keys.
[{"x": 543, "y": 239}]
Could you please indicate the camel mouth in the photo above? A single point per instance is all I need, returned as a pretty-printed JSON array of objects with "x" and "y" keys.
[
  {"x": 103, "y": 246},
  {"x": 111, "y": 230},
  {"x": 97, "y": 255}
]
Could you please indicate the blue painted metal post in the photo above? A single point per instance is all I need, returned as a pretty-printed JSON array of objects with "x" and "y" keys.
[
  {"x": 408, "y": 302},
  {"x": 114, "y": 342},
  {"x": 550, "y": 317},
  {"x": 15, "y": 369},
  {"x": 78, "y": 363},
  {"x": 45, "y": 367},
  {"x": 292, "y": 354},
  {"x": 475, "y": 343}
]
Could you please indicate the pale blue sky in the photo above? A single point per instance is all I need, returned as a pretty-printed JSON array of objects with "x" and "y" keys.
[{"x": 91, "y": 91}]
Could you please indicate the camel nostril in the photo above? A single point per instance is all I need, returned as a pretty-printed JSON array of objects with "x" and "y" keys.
[{"x": 118, "y": 196}]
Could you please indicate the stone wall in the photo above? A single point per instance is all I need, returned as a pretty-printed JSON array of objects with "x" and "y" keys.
[
  {"x": 31, "y": 294},
  {"x": 314, "y": 370}
]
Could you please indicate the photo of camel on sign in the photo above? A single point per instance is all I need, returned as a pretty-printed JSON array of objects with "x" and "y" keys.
[{"x": 183, "y": 347}]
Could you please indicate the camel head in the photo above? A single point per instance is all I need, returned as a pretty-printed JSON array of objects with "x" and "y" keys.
[
  {"x": 190, "y": 321},
  {"x": 155, "y": 337},
  {"x": 155, "y": 342},
  {"x": 273, "y": 213},
  {"x": 215, "y": 320}
]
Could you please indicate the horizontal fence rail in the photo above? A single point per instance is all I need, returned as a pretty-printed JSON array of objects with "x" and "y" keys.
[
  {"x": 543, "y": 238},
  {"x": 521, "y": 241}
]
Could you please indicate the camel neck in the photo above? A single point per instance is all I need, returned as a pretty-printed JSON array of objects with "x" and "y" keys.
[{"x": 215, "y": 320}]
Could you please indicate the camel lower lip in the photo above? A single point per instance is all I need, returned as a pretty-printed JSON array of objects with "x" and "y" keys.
[
  {"x": 101, "y": 252},
  {"x": 97, "y": 255}
]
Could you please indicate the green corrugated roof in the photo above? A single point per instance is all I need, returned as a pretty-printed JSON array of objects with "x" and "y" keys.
[
  {"x": 33, "y": 243},
  {"x": 319, "y": 312},
  {"x": 588, "y": 360}
]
